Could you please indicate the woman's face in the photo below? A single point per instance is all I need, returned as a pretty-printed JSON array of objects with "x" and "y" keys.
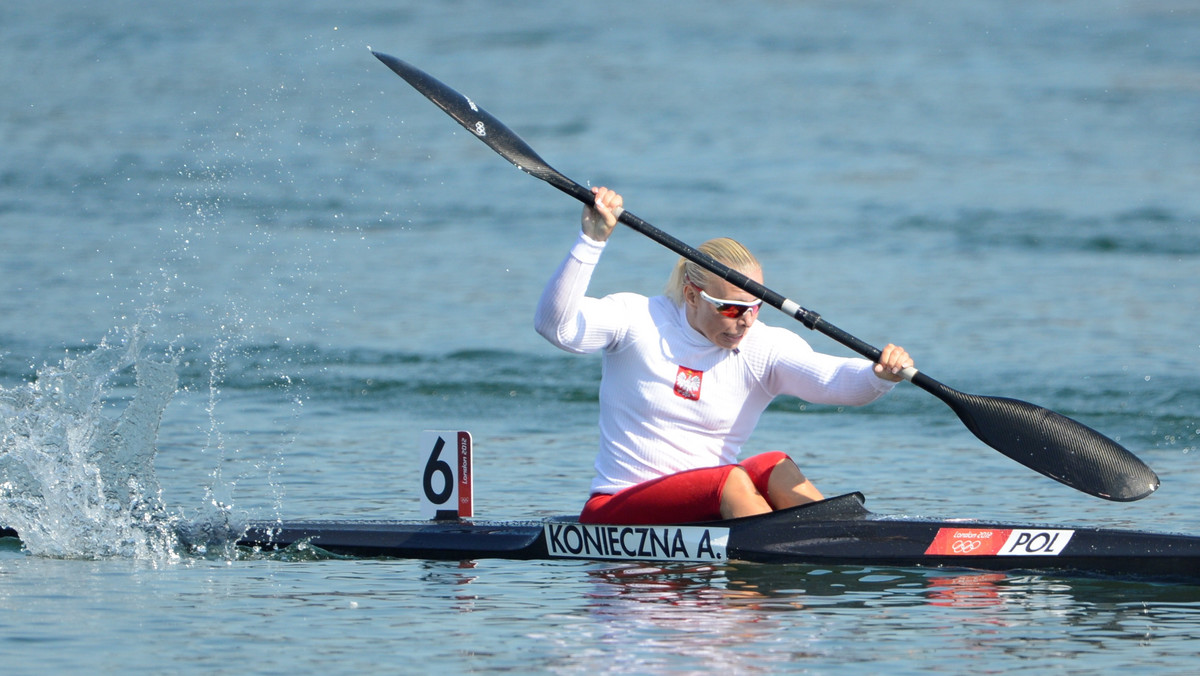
[{"x": 726, "y": 332}]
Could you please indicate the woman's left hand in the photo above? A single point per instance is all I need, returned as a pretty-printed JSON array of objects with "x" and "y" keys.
[{"x": 893, "y": 360}]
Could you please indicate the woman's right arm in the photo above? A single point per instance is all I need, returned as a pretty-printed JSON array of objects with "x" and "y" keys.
[
  {"x": 562, "y": 316},
  {"x": 565, "y": 315}
]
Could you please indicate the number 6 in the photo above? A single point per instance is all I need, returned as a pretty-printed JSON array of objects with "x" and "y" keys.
[{"x": 454, "y": 498}]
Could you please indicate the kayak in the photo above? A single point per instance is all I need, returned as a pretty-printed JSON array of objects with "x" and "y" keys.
[{"x": 836, "y": 531}]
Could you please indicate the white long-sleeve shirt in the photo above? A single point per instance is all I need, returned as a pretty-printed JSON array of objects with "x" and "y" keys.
[{"x": 671, "y": 400}]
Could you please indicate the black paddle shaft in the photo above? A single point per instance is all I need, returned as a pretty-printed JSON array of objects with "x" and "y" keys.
[{"x": 1054, "y": 445}]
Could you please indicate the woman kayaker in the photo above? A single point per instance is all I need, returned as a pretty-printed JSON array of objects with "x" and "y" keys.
[{"x": 686, "y": 376}]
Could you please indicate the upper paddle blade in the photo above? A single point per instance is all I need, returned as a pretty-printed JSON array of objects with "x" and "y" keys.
[
  {"x": 1044, "y": 441},
  {"x": 476, "y": 120}
]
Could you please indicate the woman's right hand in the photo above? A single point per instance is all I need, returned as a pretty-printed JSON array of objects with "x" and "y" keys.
[{"x": 599, "y": 220}]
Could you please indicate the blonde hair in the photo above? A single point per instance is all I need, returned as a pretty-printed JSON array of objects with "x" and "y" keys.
[{"x": 725, "y": 250}]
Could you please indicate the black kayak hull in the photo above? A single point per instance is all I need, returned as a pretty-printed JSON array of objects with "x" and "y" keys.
[{"x": 838, "y": 531}]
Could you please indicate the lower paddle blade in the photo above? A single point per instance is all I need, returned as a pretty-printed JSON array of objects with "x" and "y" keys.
[{"x": 1054, "y": 445}]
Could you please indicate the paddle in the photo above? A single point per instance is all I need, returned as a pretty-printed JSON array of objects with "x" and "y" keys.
[{"x": 1056, "y": 446}]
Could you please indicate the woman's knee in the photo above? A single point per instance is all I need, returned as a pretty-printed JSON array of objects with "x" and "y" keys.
[
  {"x": 789, "y": 487},
  {"x": 740, "y": 497},
  {"x": 739, "y": 481}
]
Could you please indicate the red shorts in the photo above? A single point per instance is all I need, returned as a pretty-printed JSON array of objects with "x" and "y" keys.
[{"x": 686, "y": 497}]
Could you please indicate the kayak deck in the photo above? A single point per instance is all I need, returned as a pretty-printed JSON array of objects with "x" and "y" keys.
[{"x": 446, "y": 540}]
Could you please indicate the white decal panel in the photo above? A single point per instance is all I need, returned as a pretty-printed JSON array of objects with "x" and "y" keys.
[
  {"x": 1036, "y": 542},
  {"x": 999, "y": 542},
  {"x": 638, "y": 543}
]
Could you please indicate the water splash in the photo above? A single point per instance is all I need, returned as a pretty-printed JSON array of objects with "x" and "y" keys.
[{"x": 77, "y": 451}]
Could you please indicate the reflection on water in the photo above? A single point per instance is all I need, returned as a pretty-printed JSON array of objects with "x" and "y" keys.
[
  {"x": 754, "y": 617},
  {"x": 781, "y": 588},
  {"x": 966, "y": 591}
]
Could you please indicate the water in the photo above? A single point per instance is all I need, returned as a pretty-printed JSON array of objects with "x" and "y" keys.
[{"x": 244, "y": 265}]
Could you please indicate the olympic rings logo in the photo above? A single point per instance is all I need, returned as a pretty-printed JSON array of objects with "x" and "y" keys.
[{"x": 965, "y": 546}]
